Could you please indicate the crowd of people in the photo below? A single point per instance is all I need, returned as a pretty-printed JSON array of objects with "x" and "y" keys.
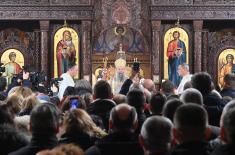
[{"x": 193, "y": 119}]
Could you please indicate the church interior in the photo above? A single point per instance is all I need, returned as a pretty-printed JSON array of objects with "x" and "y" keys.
[
  {"x": 143, "y": 27},
  {"x": 117, "y": 77}
]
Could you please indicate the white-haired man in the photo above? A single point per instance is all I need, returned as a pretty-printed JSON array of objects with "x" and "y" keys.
[{"x": 183, "y": 71}]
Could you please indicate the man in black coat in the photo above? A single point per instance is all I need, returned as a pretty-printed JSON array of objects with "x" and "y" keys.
[
  {"x": 213, "y": 104},
  {"x": 121, "y": 139},
  {"x": 190, "y": 122},
  {"x": 227, "y": 133},
  {"x": 101, "y": 106}
]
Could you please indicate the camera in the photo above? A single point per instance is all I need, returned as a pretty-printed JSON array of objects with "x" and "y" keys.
[
  {"x": 37, "y": 79},
  {"x": 55, "y": 82},
  {"x": 136, "y": 66}
]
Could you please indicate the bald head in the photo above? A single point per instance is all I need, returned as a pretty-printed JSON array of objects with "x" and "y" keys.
[
  {"x": 149, "y": 85},
  {"x": 123, "y": 117},
  {"x": 156, "y": 133}
]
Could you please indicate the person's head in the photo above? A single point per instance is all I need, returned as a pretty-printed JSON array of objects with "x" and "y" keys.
[
  {"x": 123, "y": 118},
  {"x": 19, "y": 90},
  {"x": 3, "y": 83},
  {"x": 50, "y": 152},
  {"x": 190, "y": 122},
  {"x": 176, "y": 35},
  {"x": 119, "y": 98},
  {"x": 69, "y": 91},
  {"x": 156, "y": 134},
  {"x": 170, "y": 108},
  {"x": 73, "y": 69},
  {"x": 120, "y": 65},
  {"x": 120, "y": 73},
  {"x": 82, "y": 86},
  {"x": 157, "y": 102},
  {"x": 44, "y": 119},
  {"x": 202, "y": 82},
  {"x": 73, "y": 102},
  {"x": 136, "y": 86},
  {"x": 149, "y": 85},
  {"x": 228, "y": 127},
  {"x": 227, "y": 123},
  {"x": 64, "y": 149},
  {"x": 191, "y": 95},
  {"x": 67, "y": 36},
  {"x": 69, "y": 149},
  {"x": 12, "y": 56},
  {"x": 188, "y": 85},
  {"x": 228, "y": 106},
  {"x": 167, "y": 87},
  {"x": 136, "y": 98},
  {"x": 14, "y": 102},
  {"x": 79, "y": 121},
  {"x": 6, "y": 116},
  {"x": 30, "y": 102},
  {"x": 230, "y": 58},
  {"x": 183, "y": 69},
  {"x": 102, "y": 90},
  {"x": 229, "y": 80}
]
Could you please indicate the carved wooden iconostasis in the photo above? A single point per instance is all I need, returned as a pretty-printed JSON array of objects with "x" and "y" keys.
[
  {"x": 22, "y": 40},
  {"x": 144, "y": 27}
]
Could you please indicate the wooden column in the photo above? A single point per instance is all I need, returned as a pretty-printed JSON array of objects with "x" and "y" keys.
[
  {"x": 197, "y": 25},
  {"x": 205, "y": 49},
  {"x": 86, "y": 50},
  {"x": 37, "y": 48},
  {"x": 44, "y": 28},
  {"x": 155, "y": 58}
]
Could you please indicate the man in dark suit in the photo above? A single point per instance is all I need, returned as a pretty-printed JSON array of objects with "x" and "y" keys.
[{"x": 121, "y": 138}]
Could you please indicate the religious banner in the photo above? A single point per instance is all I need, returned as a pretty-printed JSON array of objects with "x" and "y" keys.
[
  {"x": 66, "y": 49},
  {"x": 226, "y": 64},
  {"x": 176, "y": 45}
]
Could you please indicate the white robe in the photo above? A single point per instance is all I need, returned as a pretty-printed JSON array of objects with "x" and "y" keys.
[{"x": 67, "y": 81}]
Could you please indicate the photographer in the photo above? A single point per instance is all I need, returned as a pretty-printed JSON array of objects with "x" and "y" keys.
[{"x": 17, "y": 81}]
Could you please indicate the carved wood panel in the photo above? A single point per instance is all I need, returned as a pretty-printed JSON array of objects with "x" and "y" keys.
[
  {"x": 193, "y": 12},
  {"x": 24, "y": 41},
  {"x": 45, "y": 2}
]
